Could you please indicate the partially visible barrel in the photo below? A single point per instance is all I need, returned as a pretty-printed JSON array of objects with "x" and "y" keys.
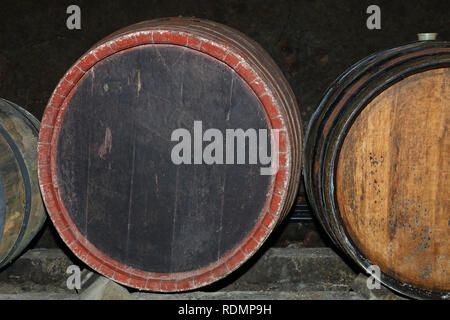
[
  {"x": 21, "y": 209},
  {"x": 118, "y": 189},
  {"x": 377, "y": 161}
]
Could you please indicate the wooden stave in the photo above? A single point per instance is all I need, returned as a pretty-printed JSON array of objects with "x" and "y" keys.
[
  {"x": 320, "y": 186},
  {"x": 32, "y": 220}
]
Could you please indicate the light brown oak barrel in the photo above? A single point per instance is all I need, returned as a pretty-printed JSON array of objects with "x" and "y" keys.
[
  {"x": 22, "y": 212},
  {"x": 377, "y": 161}
]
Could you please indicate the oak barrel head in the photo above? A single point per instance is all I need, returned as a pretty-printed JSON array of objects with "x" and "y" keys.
[
  {"x": 120, "y": 192},
  {"x": 22, "y": 212},
  {"x": 376, "y": 166},
  {"x": 393, "y": 186}
]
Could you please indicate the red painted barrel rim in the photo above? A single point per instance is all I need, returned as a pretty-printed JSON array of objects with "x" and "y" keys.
[{"x": 47, "y": 146}]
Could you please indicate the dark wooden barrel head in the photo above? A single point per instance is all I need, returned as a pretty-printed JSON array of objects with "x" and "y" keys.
[
  {"x": 106, "y": 170},
  {"x": 116, "y": 176},
  {"x": 393, "y": 181}
]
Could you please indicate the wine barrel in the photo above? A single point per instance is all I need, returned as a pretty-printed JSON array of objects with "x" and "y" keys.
[
  {"x": 377, "y": 166},
  {"x": 109, "y": 180},
  {"x": 21, "y": 209}
]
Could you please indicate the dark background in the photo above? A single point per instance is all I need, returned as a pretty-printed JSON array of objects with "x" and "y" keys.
[{"x": 312, "y": 41}]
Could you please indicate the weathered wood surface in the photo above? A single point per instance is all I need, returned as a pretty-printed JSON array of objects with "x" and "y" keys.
[
  {"x": 115, "y": 170},
  {"x": 21, "y": 208},
  {"x": 393, "y": 183},
  {"x": 376, "y": 166}
]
